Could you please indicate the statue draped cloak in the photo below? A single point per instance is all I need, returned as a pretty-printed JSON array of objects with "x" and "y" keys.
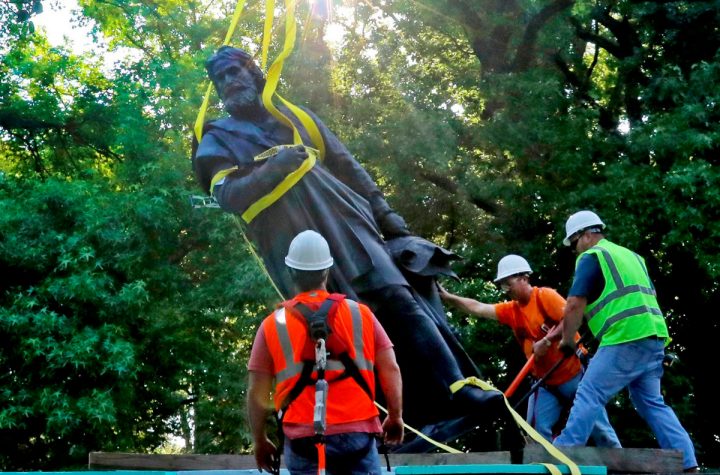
[{"x": 333, "y": 198}]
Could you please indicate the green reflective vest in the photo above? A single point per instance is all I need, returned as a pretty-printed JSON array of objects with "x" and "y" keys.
[{"x": 627, "y": 308}]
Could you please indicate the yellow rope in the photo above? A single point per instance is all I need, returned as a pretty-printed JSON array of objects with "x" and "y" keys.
[
  {"x": 200, "y": 120},
  {"x": 574, "y": 470},
  {"x": 437, "y": 444}
]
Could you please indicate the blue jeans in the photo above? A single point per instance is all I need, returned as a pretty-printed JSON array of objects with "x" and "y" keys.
[
  {"x": 350, "y": 453},
  {"x": 636, "y": 365},
  {"x": 545, "y": 407}
]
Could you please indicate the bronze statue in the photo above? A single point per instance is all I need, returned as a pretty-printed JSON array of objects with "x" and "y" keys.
[{"x": 339, "y": 199}]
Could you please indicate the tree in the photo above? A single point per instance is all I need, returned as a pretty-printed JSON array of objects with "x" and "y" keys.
[
  {"x": 485, "y": 123},
  {"x": 558, "y": 106}
]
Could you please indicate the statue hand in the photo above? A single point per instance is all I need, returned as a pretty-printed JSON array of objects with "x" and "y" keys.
[
  {"x": 393, "y": 225},
  {"x": 289, "y": 159}
]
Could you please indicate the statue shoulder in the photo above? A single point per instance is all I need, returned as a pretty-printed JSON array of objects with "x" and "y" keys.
[{"x": 224, "y": 138}]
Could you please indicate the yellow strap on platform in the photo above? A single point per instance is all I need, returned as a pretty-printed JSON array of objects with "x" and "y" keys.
[
  {"x": 554, "y": 451},
  {"x": 282, "y": 187},
  {"x": 552, "y": 469},
  {"x": 437, "y": 444}
]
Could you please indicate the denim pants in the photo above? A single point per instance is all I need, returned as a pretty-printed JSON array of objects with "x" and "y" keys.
[
  {"x": 545, "y": 407},
  {"x": 349, "y": 453},
  {"x": 636, "y": 365}
]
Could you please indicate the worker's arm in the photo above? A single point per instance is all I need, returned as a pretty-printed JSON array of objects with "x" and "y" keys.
[
  {"x": 574, "y": 310},
  {"x": 468, "y": 305},
  {"x": 391, "y": 385},
  {"x": 259, "y": 388}
]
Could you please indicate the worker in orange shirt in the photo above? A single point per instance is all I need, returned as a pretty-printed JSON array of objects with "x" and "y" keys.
[
  {"x": 535, "y": 316},
  {"x": 321, "y": 352}
]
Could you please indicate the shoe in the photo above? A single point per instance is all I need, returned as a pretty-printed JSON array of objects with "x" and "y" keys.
[{"x": 691, "y": 470}]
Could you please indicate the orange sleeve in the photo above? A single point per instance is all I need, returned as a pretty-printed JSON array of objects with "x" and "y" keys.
[{"x": 505, "y": 312}]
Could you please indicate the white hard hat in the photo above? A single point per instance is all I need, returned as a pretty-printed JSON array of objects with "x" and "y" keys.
[
  {"x": 512, "y": 264},
  {"x": 309, "y": 251},
  {"x": 581, "y": 220}
]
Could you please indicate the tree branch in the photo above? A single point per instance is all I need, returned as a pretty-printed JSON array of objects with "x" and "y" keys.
[{"x": 526, "y": 49}]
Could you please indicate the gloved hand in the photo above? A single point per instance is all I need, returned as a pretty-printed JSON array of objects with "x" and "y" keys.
[
  {"x": 393, "y": 225},
  {"x": 289, "y": 159}
]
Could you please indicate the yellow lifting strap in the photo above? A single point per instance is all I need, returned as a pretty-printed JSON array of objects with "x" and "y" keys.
[
  {"x": 200, "y": 120},
  {"x": 572, "y": 466},
  {"x": 272, "y": 80},
  {"x": 437, "y": 444},
  {"x": 282, "y": 187},
  {"x": 219, "y": 176}
]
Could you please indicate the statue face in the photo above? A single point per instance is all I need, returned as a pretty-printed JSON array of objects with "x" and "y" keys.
[{"x": 236, "y": 87}]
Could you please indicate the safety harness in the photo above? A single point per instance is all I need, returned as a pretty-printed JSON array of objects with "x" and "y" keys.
[{"x": 322, "y": 344}]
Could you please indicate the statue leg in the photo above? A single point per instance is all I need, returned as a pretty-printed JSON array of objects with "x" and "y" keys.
[{"x": 424, "y": 350}]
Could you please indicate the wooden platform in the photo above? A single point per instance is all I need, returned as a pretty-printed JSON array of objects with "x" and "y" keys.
[{"x": 617, "y": 461}]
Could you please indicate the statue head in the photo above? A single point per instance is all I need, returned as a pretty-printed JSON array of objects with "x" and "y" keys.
[{"x": 237, "y": 79}]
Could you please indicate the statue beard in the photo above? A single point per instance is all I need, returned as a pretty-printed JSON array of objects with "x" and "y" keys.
[{"x": 243, "y": 103}]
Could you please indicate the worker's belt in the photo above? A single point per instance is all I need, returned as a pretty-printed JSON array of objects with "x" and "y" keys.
[{"x": 288, "y": 182}]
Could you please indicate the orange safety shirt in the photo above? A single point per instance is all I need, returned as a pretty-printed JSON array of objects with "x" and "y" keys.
[
  {"x": 286, "y": 336},
  {"x": 546, "y": 307}
]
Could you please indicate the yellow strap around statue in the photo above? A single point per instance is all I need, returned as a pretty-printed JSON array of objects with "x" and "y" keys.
[
  {"x": 267, "y": 32},
  {"x": 288, "y": 182},
  {"x": 219, "y": 176},
  {"x": 273, "y": 78},
  {"x": 273, "y": 74},
  {"x": 206, "y": 100},
  {"x": 473, "y": 381},
  {"x": 309, "y": 125},
  {"x": 282, "y": 188}
]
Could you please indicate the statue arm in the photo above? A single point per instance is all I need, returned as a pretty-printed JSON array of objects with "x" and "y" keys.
[
  {"x": 343, "y": 166},
  {"x": 251, "y": 181}
]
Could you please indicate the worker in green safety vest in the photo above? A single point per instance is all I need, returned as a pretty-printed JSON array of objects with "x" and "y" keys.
[{"x": 613, "y": 290}]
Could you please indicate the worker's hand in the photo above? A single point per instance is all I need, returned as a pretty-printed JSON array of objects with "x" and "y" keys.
[
  {"x": 393, "y": 430},
  {"x": 567, "y": 347},
  {"x": 541, "y": 347},
  {"x": 393, "y": 225},
  {"x": 289, "y": 159},
  {"x": 441, "y": 291},
  {"x": 266, "y": 455}
]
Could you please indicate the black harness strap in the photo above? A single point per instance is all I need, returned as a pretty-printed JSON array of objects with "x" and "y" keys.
[
  {"x": 315, "y": 320},
  {"x": 352, "y": 370}
]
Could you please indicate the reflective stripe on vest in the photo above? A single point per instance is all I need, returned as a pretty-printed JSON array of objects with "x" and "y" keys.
[
  {"x": 286, "y": 336},
  {"x": 293, "y": 368},
  {"x": 609, "y": 316}
]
